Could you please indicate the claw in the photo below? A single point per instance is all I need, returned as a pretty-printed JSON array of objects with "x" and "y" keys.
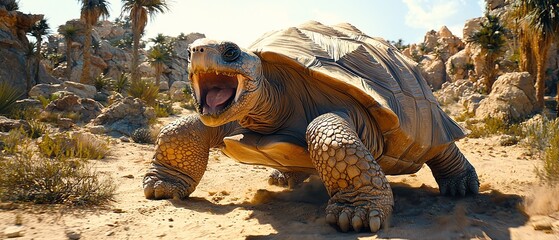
[
  {"x": 356, "y": 223},
  {"x": 374, "y": 221},
  {"x": 331, "y": 219},
  {"x": 473, "y": 186},
  {"x": 462, "y": 190},
  {"x": 343, "y": 222}
]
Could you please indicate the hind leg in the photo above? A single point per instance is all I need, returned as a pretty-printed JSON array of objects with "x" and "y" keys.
[
  {"x": 454, "y": 174},
  {"x": 287, "y": 179}
]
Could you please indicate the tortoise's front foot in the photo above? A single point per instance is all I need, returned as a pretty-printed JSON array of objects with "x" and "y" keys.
[
  {"x": 365, "y": 208},
  {"x": 460, "y": 184},
  {"x": 360, "y": 196},
  {"x": 287, "y": 179},
  {"x": 165, "y": 183}
]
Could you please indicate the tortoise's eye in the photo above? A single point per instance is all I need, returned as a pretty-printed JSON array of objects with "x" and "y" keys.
[
  {"x": 231, "y": 52},
  {"x": 188, "y": 55}
]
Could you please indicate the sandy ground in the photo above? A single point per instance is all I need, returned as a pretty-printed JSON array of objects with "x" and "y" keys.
[{"x": 234, "y": 201}]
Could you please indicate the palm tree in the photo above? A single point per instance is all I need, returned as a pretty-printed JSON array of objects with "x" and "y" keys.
[
  {"x": 90, "y": 12},
  {"x": 30, "y": 54},
  {"x": 139, "y": 11},
  {"x": 38, "y": 30},
  {"x": 158, "y": 57},
  {"x": 539, "y": 23},
  {"x": 490, "y": 38},
  {"x": 70, "y": 32}
]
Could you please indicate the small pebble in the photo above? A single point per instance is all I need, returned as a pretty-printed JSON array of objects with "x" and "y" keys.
[{"x": 14, "y": 231}]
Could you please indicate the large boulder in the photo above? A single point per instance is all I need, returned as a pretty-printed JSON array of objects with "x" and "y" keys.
[
  {"x": 86, "y": 108},
  {"x": 46, "y": 90},
  {"x": 455, "y": 91},
  {"x": 434, "y": 72},
  {"x": 123, "y": 117},
  {"x": 458, "y": 65},
  {"x": 177, "y": 91},
  {"x": 512, "y": 98}
]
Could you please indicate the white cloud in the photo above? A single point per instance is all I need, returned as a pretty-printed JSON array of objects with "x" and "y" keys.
[{"x": 431, "y": 14}]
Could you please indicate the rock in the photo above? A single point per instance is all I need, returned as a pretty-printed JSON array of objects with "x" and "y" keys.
[
  {"x": 494, "y": 4},
  {"x": 73, "y": 234},
  {"x": 28, "y": 103},
  {"x": 65, "y": 123},
  {"x": 7, "y": 124},
  {"x": 542, "y": 223},
  {"x": 512, "y": 98},
  {"x": 79, "y": 89},
  {"x": 163, "y": 85},
  {"x": 14, "y": 231},
  {"x": 471, "y": 102},
  {"x": 125, "y": 116},
  {"x": 458, "y": 65},
  {"x": 471, "y": 26},
  {"x": 434, "y": 73},
  {"x": 176, "y": 92},
  {"x": 455, "y": 91},
  {"x": 86, "y": 107}
]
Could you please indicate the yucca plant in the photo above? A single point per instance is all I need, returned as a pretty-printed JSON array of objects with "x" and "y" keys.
[
  {"x": 144, "y": 89},
  {"x": 121, "y": 84},
  {"x": 8, "y": 97},
  {"x": 101, "y": 82}
]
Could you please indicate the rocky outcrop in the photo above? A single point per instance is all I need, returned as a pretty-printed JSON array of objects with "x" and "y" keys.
[
  {"x": 123, "y": 117},
  {"x": 15, "y": 65},
  {"x": 80, "y": 90},
  {"x": 177, "y": 91},
  {"x": 512, "y": 98},
  {"x": 434, "y": 72},
  {"x": 458, "y": 65},
  {"x": 87, "y": 108}
]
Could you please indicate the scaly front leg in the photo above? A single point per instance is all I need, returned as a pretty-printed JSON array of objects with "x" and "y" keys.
[
  {"x": 360, "y": 195},
  {"x": 181, "y": 157}
]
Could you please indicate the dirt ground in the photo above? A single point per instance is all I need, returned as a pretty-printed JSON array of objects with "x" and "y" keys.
[{"x": 234, "y": 201}]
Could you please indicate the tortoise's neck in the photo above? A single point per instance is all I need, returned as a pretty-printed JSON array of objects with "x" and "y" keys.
[{"x": 271, "y": 109}]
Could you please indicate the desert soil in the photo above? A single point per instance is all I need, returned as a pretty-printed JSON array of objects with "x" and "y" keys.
[{"x": 234, "y": 201}]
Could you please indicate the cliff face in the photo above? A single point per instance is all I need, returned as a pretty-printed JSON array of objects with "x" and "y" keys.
[{"x": 13, "y": 47}]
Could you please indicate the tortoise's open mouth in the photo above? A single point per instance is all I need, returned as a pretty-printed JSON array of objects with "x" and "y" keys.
[{"x": 216, "y": 91}]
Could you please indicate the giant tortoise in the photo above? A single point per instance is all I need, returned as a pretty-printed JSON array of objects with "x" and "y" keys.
[{"x": 313, "y": 99}]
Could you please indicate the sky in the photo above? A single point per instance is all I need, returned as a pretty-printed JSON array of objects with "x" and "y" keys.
[{"x": 243, "y": 21}]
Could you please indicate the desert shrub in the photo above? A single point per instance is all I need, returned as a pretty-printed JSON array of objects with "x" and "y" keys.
[
  {"x": 120, "y": 84},
  {"x": 33, "y": 178},
  {"x": 8, "y": 97},
  {"x": 36, "y": 129},
  {"x": 163, "y": 109},
  {"x": 13, "y": 141},
  {"x": 493, "y": 126},
  {"x": 28, "y": 113},
  {"x": 542, "y": 136},
  {"x": 46, "y": 100},
  {"x": 144, "y": 89},
  {"x": 143, "y": 135},
  {"x": 101, "y": 82},
  {"x": 73, "y": 146}
]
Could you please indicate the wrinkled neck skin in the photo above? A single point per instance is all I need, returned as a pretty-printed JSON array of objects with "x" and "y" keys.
[{"x": 269, "y": 112}]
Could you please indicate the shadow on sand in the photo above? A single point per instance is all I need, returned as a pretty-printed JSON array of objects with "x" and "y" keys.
[{"x": 419, "y": 213}]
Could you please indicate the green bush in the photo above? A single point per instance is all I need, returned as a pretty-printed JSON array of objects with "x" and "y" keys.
[
  {"x": 143, "y": 135},
  {"x": 30, "y": 178},
  {"x": 189, "y": 103},
  {"x": 101, "y": 82},
  {"x": 121, "y": 84},
  {"x": 12, "y": 141},
  {"x": 144, "y": 89},
  {"x": 8, "y": 97}
]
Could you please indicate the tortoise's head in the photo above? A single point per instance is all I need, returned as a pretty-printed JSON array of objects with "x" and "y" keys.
[{"x": 224, "y": 80}]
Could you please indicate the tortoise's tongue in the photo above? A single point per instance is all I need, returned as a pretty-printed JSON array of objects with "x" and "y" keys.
[{"x": 218, "y": 96}]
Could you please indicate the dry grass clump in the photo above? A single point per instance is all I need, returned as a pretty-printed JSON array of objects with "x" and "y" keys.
[
  {"x": 73, "y": 146},
  {"x": 143, "y": 135},
  {"x": 27, "y": 177},
  {"x": 543, "y": 137}
]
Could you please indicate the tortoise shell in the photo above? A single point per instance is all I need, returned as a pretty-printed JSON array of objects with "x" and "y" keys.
[{"x": 376, "y": 74}]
